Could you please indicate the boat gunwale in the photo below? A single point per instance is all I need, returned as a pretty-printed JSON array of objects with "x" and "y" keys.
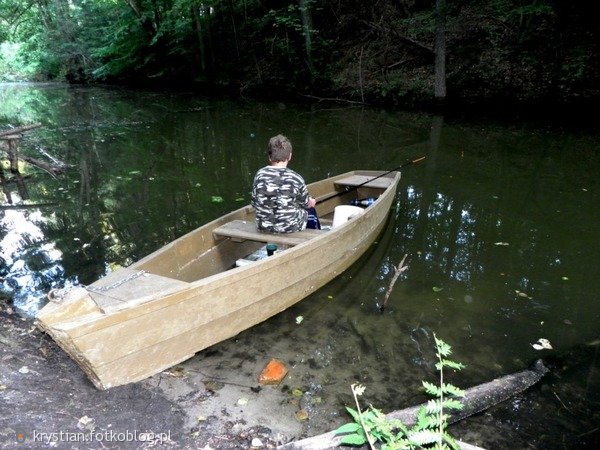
[
  {"x": 202, "y": 285},
  {"x": 315, "y": 241},
  {"x": 208, "y": 227}
]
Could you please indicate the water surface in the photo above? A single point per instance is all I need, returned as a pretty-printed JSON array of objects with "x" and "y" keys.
[{"x": 500, "y": 225}]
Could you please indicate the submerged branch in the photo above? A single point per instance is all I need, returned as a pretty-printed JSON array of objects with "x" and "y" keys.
[{"x": 401, "y": 268}]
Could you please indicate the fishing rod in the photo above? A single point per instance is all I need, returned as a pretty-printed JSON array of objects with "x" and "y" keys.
[{"x": 353, "y": 188}]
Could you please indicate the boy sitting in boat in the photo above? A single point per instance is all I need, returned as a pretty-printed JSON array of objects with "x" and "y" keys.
[{"x": 279, "y": 194}]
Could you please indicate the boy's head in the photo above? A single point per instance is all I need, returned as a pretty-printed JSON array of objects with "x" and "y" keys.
[{"x": 279, "y": 149}]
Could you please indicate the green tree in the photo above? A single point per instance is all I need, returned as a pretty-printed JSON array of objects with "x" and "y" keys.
[{"x": 388, "y": 51}]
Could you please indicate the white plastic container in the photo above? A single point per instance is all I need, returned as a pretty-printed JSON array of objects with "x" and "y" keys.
[{"x": 343, "y": 213}]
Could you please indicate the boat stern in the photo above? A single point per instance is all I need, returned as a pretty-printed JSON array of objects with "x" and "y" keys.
[{"x": 65, "y": 307}]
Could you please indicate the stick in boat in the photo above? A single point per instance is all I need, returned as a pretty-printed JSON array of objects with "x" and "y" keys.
[
  {"x": 401, "y": 268},
  {"x": 353, "y": 188}
]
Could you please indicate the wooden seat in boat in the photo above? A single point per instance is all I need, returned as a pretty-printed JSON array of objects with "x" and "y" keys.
[{"x": 241, "y": 230}]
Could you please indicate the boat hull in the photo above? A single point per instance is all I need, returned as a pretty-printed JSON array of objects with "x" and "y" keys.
[{"x": 122, "y": 341}]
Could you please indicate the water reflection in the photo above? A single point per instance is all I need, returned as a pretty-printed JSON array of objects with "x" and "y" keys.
[
  {"x": 18, "y": 181},
  {"x": 31, "y": 264}
]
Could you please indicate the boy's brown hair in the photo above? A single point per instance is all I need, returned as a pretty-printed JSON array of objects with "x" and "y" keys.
[{"x": 279, "y": 148}]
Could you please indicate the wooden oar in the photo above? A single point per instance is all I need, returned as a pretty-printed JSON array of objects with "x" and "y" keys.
[{"x": 353, "y": 188}]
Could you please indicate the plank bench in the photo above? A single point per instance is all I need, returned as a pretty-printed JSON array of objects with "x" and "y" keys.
[{"x": 241, "y": 230}]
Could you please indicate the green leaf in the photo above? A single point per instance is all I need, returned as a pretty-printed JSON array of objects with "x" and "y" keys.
[
  {"x": 452, "y": 364},
  {"x": 422, "y": 418},
  {"x": 433, "y": 406},
  {"x": 396, "y": 424},
  {"x": 351, "y": 427},
  {"x": 443, "y": 348},
  {"x": 379, "y": 435},
  {"x": 370, "y": 415},
  {"x": 216, "y": 199},
  {"x": 437, "y": 289},
  {"x": 451, "y": 403},
  {"x": 432, "y": 389},
  {"x": 423, "y": 437},
  {"x": 353, "y": 413},
  {"x": 354, "y": 439},
  {"x": 453, "y": 390},
  {"x": 428, "y": 423}
]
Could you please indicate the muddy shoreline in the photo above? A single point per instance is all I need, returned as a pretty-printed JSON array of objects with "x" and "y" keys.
[
  {"x": 214, "y": 401},
  {"x": 47, "y": 402}
]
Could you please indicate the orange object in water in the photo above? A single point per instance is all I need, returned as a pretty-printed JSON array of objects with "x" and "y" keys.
[{"x": 273, "y": 373}]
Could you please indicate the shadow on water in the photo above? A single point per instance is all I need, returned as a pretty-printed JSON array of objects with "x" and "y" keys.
[{"x": 499, "y": 225}]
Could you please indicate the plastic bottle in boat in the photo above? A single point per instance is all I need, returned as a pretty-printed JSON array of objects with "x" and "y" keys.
[{"x": 363, "y": 201}]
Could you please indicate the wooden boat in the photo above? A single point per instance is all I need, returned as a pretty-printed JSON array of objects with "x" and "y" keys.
[{"x": 188, "y": 295}]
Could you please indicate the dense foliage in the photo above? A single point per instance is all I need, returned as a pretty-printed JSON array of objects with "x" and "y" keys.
[{"x": 375, "y": 51}]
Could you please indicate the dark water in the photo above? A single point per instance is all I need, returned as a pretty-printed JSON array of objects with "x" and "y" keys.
[{"x": 500, "y": 225}]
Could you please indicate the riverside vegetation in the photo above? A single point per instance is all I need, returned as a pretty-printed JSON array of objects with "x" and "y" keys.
[
  {"x": 429, "y": 431},
  {"x": 388, "y": 52}
]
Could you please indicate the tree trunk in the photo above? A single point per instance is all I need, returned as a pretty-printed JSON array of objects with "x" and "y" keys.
[
  {"x": 13, "y": 154},
  {"x": 147, "y": 24},
  {"x": 234, "y": 28},
  {"x": 4, "y": 184},
  {"x": 307, "y": 31},
  {"x": 440, "y": 51},
  {"x": 200, "y": 35}
]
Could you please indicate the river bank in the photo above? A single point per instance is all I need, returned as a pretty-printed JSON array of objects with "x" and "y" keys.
[
  {"x": 47, "y": 402},
  {"x": 215, "y": 402}
]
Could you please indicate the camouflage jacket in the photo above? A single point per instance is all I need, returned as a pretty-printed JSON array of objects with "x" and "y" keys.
[{"x": 279, "y": 196}]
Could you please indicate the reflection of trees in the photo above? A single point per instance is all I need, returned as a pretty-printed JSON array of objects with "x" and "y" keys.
[
  {"x": 428, "y": 195},
  {"x": 77, "y": 228},
  {"x": 147, "y": 167},
  {"x": 493, "y": 222},
  {"x": 25, "y": 261}
]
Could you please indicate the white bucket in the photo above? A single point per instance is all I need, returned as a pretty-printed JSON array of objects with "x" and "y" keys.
[{"x": 343, "y": 213}]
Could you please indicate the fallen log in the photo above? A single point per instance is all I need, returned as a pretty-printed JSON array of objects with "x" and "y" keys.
[
  {"x": 476, "y": 399},
  {"x": 19, "y": 130},
  {"x": 51, "y": 169},
  {"x": 484, "y": 396}
]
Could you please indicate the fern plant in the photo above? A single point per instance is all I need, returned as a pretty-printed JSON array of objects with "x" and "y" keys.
[{"x": 430, "y": 429}]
